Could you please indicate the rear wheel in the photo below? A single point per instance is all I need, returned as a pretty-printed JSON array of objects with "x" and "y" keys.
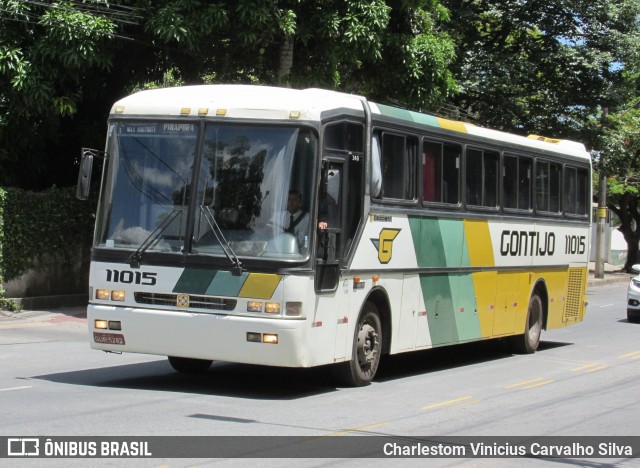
[
  {"x": 528, "y": 342},
  {"x": 188, "y": 365},
  {"x": 367, "y": 348}
]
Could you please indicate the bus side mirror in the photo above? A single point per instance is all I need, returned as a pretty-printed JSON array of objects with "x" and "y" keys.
[{"x": 84, "y": 176}]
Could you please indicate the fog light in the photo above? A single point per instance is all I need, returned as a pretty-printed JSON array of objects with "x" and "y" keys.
[
  {"x": 272, "y": 308},
  {"x": 293, "y": 309},
  {"x": 102, "y": 294},
  {"x": 101, "y": 324},
  {"x": 270, "y": 338},
  {"x": 633, "y": 302},
  {"x": 254, "y": 306},
  {"x": 117, "y": 296},
  {"x": 254, "y": 337}
]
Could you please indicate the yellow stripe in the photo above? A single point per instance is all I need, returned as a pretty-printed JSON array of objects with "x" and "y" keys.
[
  {"x": 479, "y": 243},
  {"x": 260, "y": 286},
  {"x": 630, "y": 355},
  {"x": 546, "y": 382},
  {"x": 586, "y": 366},
  {"x": 448, "y": 402},
  {"x": 519, "y": 384},
  {"x": 452, "y": 125},
  {"x": 348, "y": 431},
  {"x": 595, "y": 369}
]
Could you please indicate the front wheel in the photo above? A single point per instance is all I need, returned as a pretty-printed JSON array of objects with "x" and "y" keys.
[
  {"x": 367, "y": 348},
  {"x": 528, "y": 342},
  {"x": 188, "y": 365}
]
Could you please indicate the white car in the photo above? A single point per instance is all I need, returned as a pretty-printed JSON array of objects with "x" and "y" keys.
[{"x": 633, "y": 297}]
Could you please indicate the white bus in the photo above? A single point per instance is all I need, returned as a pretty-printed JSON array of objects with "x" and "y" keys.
[{"x": 434, "y": 232}]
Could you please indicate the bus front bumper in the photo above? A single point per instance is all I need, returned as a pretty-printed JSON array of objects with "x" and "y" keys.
[{"x": 249, "y": 340}]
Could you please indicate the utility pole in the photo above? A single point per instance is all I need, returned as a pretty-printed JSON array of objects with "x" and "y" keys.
[
  {"x": 601, "y": 213},
  {"x": 601, "y": 216}
]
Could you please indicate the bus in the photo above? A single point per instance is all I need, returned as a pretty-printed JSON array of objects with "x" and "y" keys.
[{"x": 416, "y": 231}]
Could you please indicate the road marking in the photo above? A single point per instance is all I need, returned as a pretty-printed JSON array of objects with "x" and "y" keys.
[
  {"x": 586, "y": 366},
  {"x": 633, "y": 355},
  {"x": 347, "y": 431},
  {"x": 533, "y": 383},
  {"x": 447, "y": 403},
  {"x": 595, "y": 369},
  {"x": 524, "y": 383},
  {"x": 606, "y": 305},
  {"x": 15, "y": 388},
  {"x": 546, "y": 382}
]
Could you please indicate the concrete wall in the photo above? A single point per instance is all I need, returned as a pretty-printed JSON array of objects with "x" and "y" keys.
[{"x": 53, "y": 283}]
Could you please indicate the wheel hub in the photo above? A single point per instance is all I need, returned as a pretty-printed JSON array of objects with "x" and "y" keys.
[{"x": 367, "y": 344}]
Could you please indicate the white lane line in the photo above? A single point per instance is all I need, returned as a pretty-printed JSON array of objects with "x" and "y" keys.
[{"x": 15, "y": 388}]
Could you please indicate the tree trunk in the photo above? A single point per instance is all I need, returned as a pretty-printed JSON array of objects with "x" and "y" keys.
[
  {"x": 286, "y": 62},
  {"x": 629, "y": 216}
]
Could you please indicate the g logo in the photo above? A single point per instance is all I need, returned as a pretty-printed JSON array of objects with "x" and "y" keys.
[{"x": 384, "y": 244}]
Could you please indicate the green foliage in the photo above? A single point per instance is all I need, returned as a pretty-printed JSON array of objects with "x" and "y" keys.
[
  {"x": 543, "y": 67},
  {"x": 38, "y": 225},
  {"x": 5, "y": 304}
]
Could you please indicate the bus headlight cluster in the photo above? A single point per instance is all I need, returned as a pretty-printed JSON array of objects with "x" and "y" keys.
[
  {"x": 107, "y": 324},
  {"x": 105, "y": 295},
  {"x": 292, "y": 309},
  {"x": 268, "y": 338}
]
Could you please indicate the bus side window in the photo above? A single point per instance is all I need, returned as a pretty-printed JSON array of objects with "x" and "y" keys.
[
  {"x": 399, "y": 162},
  {"x": 575, "y": 190},
  {"x": 516, "y": 183},
  {"x": 482, "y": 178},
  {"x": 548, "y": 186},
  {"x": 440, "y": 173}
]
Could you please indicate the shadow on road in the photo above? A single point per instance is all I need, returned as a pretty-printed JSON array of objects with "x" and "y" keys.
[{"x": 273, "y": 383}]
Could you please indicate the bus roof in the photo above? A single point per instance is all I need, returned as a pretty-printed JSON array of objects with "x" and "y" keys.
[{"x": 264, "y": 102}]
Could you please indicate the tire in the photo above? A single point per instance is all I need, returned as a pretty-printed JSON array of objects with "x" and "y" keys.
[
  {"x": 633, "y": 317},
  {"x": 188, "y": 365},
  {"x": 367, "y": 348},
  {"x": 528, "y": 342}
]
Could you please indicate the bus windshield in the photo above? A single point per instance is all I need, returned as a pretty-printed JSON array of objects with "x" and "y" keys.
[{"x": 243, "y": 178}]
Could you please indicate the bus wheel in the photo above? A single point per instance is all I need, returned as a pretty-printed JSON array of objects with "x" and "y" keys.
[
  {"x": 188, "y": 365},
  {"x": 529, "y": 341},
  {"x": 367, "y": 348}
]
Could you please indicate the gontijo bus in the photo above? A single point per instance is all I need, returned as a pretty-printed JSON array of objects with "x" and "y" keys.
[{"x": 439, "y": 232}]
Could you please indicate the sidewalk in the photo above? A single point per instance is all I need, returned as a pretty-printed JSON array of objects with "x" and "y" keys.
[{"x": 612, "y": 274}]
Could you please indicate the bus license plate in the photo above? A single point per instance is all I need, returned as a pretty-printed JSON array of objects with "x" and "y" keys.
[{"x": 108, "y": 338}]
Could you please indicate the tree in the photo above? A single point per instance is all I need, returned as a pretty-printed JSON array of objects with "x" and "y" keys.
[
  {"x": 542, "y": 66},
  {"x": 622, "y": 164},
  {"x": 45, "y": 52},
  {"x": 62, "y": 63}
]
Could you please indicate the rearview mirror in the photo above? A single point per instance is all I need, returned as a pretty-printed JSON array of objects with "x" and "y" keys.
[{"x": 84, "y": 176}]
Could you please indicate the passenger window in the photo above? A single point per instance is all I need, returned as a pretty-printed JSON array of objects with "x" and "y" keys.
[
  {"x": 516, "y": 183},
  {"x": 548, "y": 186},
  {"x": 576, "y": 191},
  {"x": 440, "y": 172},
  {"x": 482, "y": 178},
  {"x": 398, "y": 160}
]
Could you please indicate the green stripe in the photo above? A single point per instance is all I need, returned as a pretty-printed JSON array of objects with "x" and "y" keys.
[
  {"x": 226, "y": 284},
  {"x": 436, "y": 290},
  {"x": 408, "y": 115},
  {"x": 194, "y": 281}
]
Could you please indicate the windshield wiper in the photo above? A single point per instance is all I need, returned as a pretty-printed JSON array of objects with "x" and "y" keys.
[
  {"x": 136, "y": 257},
  {"x": 236, "y": 269}
]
